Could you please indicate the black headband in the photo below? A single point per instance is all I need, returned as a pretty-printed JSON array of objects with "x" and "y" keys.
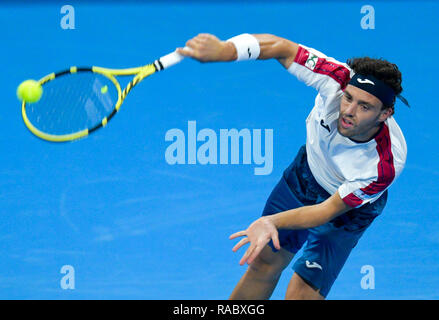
[{"x": 377, "y": 88}]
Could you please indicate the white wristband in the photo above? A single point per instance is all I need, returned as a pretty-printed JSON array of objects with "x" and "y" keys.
[{"x": 247, "y": 47}]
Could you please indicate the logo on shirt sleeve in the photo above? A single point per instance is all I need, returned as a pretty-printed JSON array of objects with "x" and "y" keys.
[{"x": 311, "y": 62}]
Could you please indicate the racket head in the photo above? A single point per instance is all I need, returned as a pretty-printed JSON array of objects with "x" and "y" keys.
[{"x": 75, "y": 102}]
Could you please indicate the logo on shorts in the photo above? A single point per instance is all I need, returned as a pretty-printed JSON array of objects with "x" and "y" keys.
[
  {"x": 313, "y": 265},
  {"x": 311, "y": 62}
]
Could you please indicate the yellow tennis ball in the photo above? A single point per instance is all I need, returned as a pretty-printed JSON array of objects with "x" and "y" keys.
[
  {"x": 104, "y": 89},
  {"x": 29, "y": 91}
]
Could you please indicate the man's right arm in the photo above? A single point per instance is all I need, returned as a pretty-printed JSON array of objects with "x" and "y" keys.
[
  {"x": 310, "y": 66},
  {"x": 208, "y": 48}
]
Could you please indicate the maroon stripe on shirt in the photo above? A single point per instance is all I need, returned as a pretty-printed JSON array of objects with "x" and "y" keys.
[
  {"x": 386, "y": 169},
  {"x": 352, "y": 200}
]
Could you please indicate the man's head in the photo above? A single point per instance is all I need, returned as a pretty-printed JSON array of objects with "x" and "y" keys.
[{"x": 363, "y": 110}]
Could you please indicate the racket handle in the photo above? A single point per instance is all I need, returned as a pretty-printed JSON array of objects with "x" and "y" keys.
[{"x": 168, "y": 60}]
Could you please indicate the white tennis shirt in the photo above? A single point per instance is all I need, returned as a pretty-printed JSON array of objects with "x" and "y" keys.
[{"x": 360, "y": 171}]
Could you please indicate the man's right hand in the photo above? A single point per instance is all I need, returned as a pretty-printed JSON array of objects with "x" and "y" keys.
[{"x": 208, "y": 48}]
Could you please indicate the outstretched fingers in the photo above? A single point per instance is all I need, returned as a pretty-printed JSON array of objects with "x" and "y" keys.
[
  {"x": 247, "y": 254},
  {"x": 238, "y": 234},
  {"x": 241, "y": 243},
  {"x": 275, "y": 240},
  {"x": 258, "y": 234},
  {"x": 255, "y": 252}
]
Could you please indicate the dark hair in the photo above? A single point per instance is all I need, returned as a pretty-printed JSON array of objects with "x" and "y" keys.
[{"x": 380, "y": 69}]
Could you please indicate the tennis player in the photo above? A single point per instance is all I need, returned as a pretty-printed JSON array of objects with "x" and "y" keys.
[{"x": 337, "y": 184}]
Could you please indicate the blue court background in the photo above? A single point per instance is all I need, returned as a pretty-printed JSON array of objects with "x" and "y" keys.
[{"x": 135, "y": 227}]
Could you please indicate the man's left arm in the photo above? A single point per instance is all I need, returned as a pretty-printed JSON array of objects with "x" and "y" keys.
[
  {"x": 261, "y": 231},
  {"x": 310, "y": 216}
]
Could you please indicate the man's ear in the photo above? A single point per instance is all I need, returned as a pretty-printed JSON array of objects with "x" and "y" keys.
[{"x": 385, "y": 114}]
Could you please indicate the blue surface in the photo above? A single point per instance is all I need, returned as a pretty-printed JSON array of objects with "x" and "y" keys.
[{"x": 135, "y": 227}]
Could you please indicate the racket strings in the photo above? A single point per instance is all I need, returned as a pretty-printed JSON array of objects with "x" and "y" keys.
[{"x": 72, "y": 103}]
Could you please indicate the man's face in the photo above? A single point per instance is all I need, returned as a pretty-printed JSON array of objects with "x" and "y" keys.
[{"x": 360, "y": 114}]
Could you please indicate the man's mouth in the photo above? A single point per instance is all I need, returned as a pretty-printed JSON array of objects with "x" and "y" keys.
[{"x": 346, "y": 124}]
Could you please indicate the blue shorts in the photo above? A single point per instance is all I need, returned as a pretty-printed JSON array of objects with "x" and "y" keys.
[{"x": 327, "y": 246}]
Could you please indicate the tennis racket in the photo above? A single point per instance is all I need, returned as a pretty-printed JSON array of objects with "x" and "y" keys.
[{"x": 80, "y": 100}]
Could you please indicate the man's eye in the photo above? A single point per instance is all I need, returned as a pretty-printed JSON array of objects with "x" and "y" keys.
[
  {"x": 365, "y": 107},
  {"x": 348, "y": 98}
]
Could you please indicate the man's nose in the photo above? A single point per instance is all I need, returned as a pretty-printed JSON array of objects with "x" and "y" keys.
[{"x": 351, "y": 109}]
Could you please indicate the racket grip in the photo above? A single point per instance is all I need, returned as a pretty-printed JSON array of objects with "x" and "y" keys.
[{"x": 168, "y": 60}]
